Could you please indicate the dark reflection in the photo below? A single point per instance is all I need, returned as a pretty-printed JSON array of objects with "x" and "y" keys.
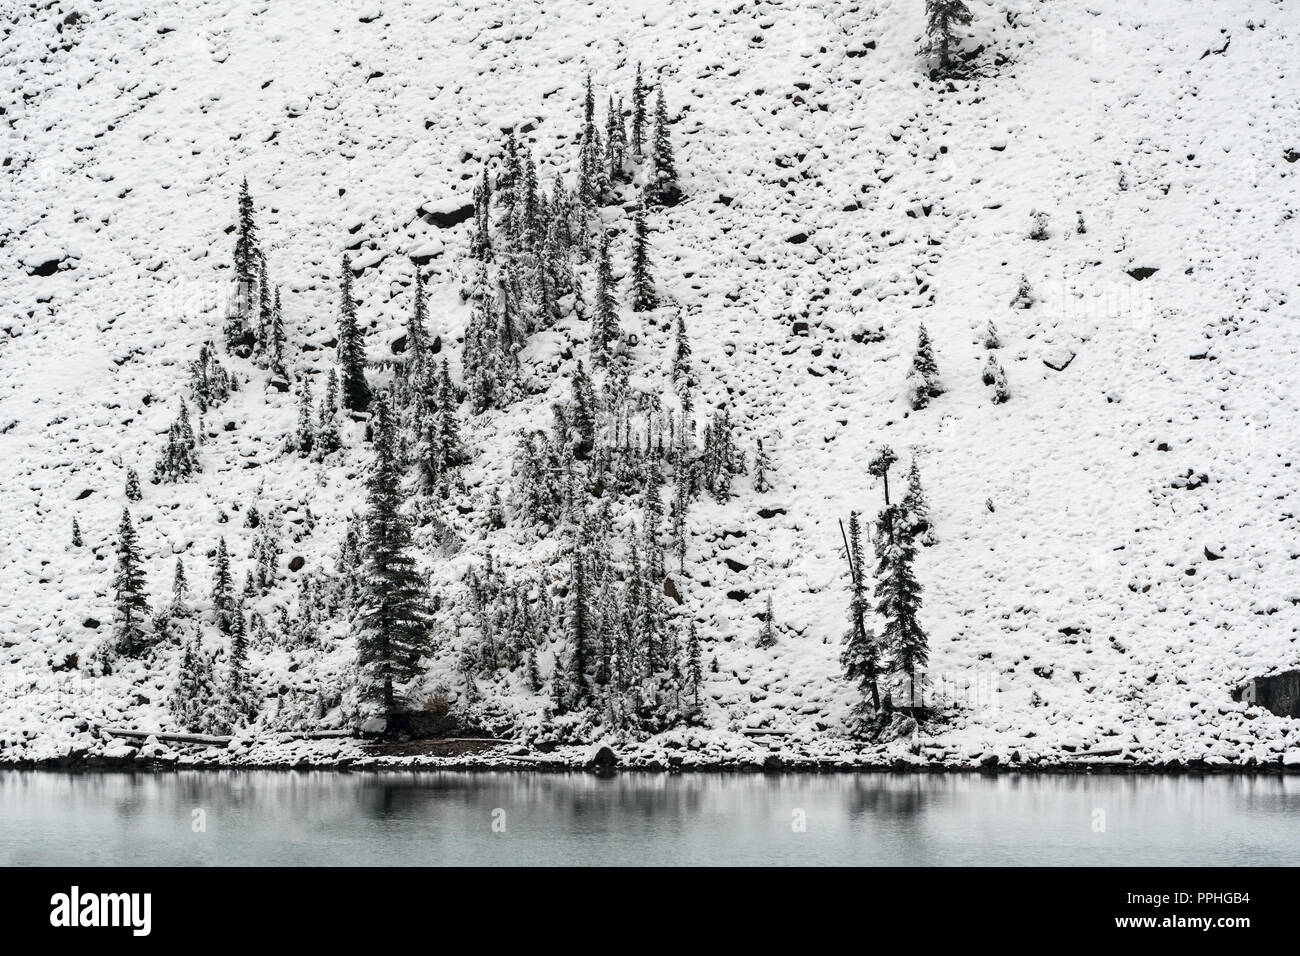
[{"x": 631, "y": 818}]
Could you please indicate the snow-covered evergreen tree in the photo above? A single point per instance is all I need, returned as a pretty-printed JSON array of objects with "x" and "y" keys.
[
  {"x": 767, "y": 632},
  {"x": 664, "y": 189},
  {"x": 860, "y": 657},
  {"x": 923, "y": 378},
  {"x": 393, "y": 624},
  {"x": 355, "y": 389},
  {"x": 131, "y": 636},
  {"x": 132, "y": 490},
  {"x": 942, "y": 18},
  {"x": 644, "y": 297},
  {"x": 223, "y": 587},
  {"x": 238, "y": 330}
]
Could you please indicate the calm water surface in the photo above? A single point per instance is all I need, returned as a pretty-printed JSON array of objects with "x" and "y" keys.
[{"x": 339, "y": 819}]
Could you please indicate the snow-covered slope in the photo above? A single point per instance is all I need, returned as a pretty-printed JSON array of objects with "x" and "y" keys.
[{"x": 834, "y": 191}]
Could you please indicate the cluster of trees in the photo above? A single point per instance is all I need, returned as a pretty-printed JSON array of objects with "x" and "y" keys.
[
  {"x": 534, "y": 245},
  {"x": 605, "y": 638},
  {"x": 254, "y": 325},
  {"x": 901, "y": 647}
]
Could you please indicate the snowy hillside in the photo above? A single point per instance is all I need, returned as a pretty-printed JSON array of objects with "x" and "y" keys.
[{"x": 1116, "y": 546}]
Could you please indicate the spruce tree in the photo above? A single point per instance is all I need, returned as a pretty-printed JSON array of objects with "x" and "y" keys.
[
  {"x": 393, "y": 616},
  {"x": 923, "y": 378},
  {"x": 942, "y": 17},
  {"x": 665, "y": 189},
  {"x": 1001, "y": 391},
  {"x": 130, "y": 603},
  {"x": 767, "y": 633},
  {"x": 917, "y": 509},
  {"x": 861, "y": 651},
  {"x": 416, "y": 330},
  {"x": 305, "y": 435},
  {"x": 991, "y": 338},
  {"x": 580, "y": 627},
  {"x": 275, "y": 338},
  {"x": 683, "y": 373},
  {"x": 238, "y": 694},
  {"x": 604, "y": 323},
  {"x": 694, "y": 674},
  {"x": 247, "y": 262},
  {"x": 762, "y": 466},
  {"x": 223, "y": 595},
  {"x": 180, "y": 603},
  {"x": 328, "y": 439},
  {"x": 638, "y": 115},
  {"x": 352, "y": 357},
  {"x": 583, "y": 412},
  {"x": 262, "y": 327},
  {"x": 898, "y": 596},
  {"x": 644, "y": 297},
  {"x": 133, "y": 492},
  {"x": 480, "y": 244},
  {"x": 76, "y": 533}
]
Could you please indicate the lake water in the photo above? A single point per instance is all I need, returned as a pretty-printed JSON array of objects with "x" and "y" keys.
[{"x": 338, "y": 819}]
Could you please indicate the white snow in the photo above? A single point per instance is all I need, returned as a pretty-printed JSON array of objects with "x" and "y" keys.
[{"x": 1070, "y": 601}]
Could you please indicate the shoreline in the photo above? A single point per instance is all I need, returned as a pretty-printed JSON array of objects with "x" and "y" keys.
[{"x": 496, "y": 764}]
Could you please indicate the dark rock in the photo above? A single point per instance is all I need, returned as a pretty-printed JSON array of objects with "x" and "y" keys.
[
  {"x": 446, "y": 218},
  {"x": 1143, "y": 272},
  {"x": 85, "y": 494},
  {"x": 296, "y": 562},
  {"x": 600, "y": 757},
  {"x": 91, "y": 622},
  {"x": 670, "y": 590}
]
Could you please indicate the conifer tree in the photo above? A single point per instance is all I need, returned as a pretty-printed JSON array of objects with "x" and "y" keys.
[
  {"x": 238, "y": 696},
  {"x": 917, "y": 509},
  {"x": 767, "y": 633},
  {"x": 275, "y": 338},
  {"x": 991, "y": 338},
  {"x": 580, "y": 627},
  {"x": 665, "y": 189},
  {"x": 76, "y": 533},
  {"x": 898, "y": 596},
  {"x": 942, "y": 17},
  {"x": 638, "y": 115},
  {"x": 615, "y": 140},
  {"x": 762, "y": 466},
  {"x": 480, "y": 243},
  {"x": 683, "y": 373},
  {"x": 223, "y": 595},
  {"x": 356, "y": 393},
  {"x": 644, "y": 297},
  {"x": 262, "y": 327},
  {"x": 180, "y": 604},
  {"x": 416, "y": 331},
  {"x": 305, "y": 435},
  {"x": 861, "y": 651},
  {"x": 694, "y": 674},
  {"x": 191, "y": 701},
  {"x": 130, "y": 603},
  {"x": 133, "y": 492},
  {"x": 604, "y": 323},
  {"x": 1001, "y": 391},
  {"x": 583, "y": 414},
  {"x": 247, "y": 261},
  {"x": 453, "y": 452},
  {"x": 179, "y": 458},
  {"x": 328, "y": 439},
  {"x": 923, "y": 378},
  {"x": 393, "y": 616}
]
